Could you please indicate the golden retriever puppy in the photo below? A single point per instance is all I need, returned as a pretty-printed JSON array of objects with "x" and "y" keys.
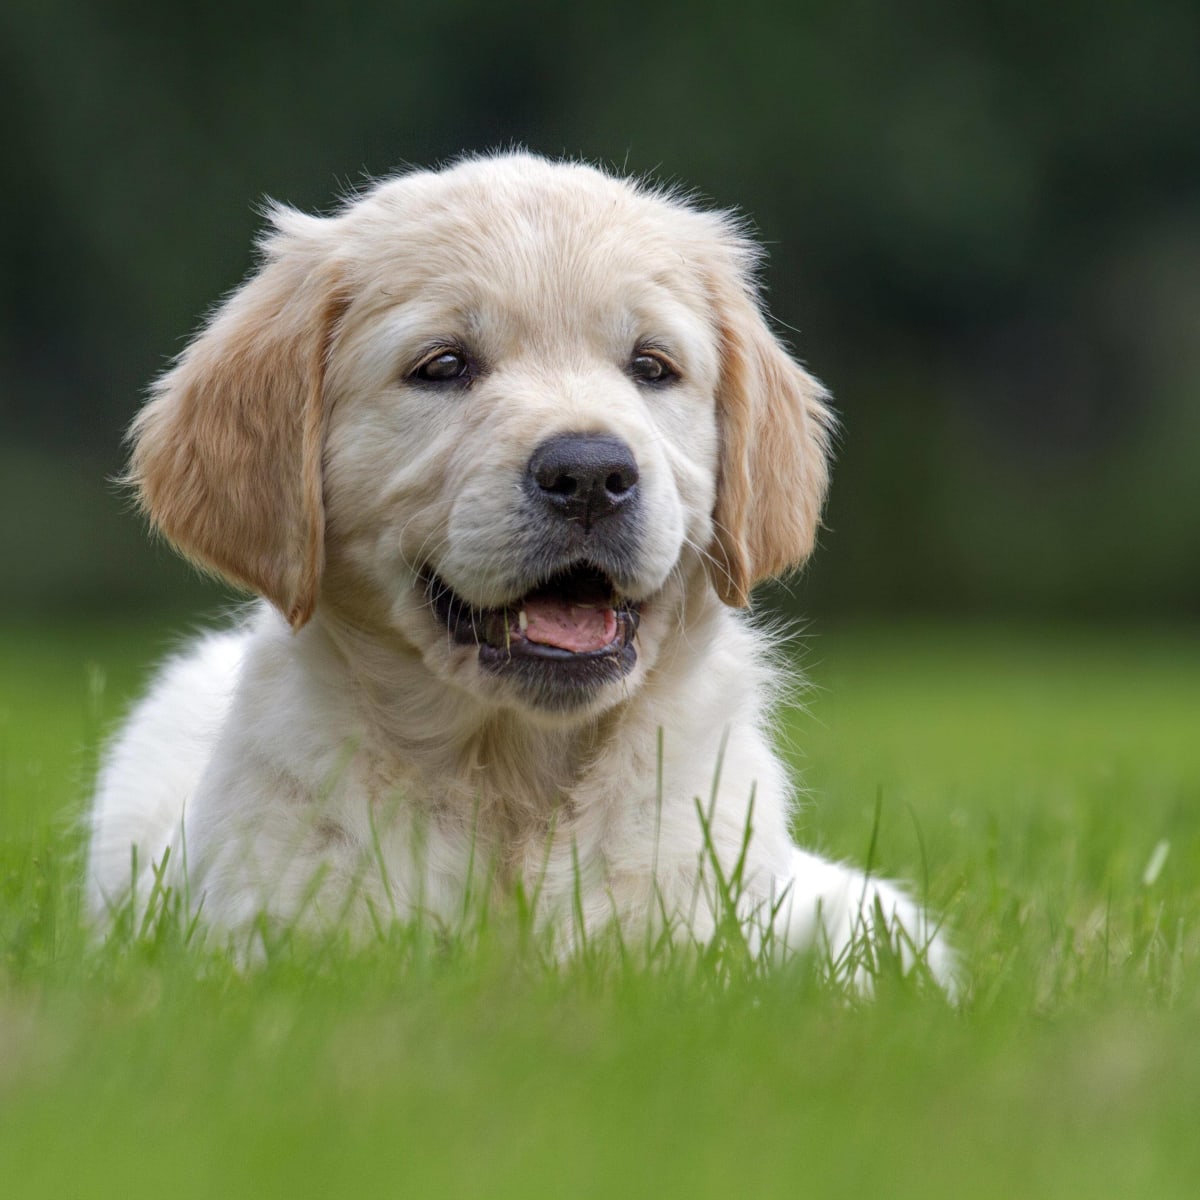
[{"x": 504, "y": 449}]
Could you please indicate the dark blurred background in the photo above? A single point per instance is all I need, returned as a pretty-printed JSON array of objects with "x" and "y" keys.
[{"x": 984, "y": 224}]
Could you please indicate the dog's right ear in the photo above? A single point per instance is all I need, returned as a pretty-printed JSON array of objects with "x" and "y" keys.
[{"x": 227, "y": 453}]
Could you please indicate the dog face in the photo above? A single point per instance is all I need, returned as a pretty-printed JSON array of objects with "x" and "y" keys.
[{"x": 501, "y": 416}]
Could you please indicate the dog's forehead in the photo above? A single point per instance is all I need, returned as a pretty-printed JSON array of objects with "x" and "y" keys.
[{"x": 519, "y": 227}]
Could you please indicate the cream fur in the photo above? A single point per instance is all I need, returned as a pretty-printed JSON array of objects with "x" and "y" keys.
[{"x": 339, "y": 753}]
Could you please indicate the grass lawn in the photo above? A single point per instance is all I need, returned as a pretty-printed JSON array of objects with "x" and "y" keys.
[{"x": 1029, "y": 783}]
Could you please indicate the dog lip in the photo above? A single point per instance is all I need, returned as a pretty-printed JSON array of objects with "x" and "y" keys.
[{"x": 499, "y": 631}]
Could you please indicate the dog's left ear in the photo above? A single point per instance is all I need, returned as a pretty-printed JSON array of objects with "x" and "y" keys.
[
  {"x": 227, "y": 453},
  {"x": 775, "y": 441}
]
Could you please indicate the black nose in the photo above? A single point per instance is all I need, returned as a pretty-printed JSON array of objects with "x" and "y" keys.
[{"x": 583, "y": 476}]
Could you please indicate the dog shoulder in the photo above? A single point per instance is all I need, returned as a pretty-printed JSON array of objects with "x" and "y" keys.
[{"x": 153, "y": 765}]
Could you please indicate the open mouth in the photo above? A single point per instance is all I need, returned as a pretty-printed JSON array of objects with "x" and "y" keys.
[{"x": 560, "y": 641}]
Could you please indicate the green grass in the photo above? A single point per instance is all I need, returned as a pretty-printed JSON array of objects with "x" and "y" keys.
[{"x": 1026, "y": 781}]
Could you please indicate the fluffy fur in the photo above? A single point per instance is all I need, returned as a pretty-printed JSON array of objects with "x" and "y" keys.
[{"x": 348, "y": 749}]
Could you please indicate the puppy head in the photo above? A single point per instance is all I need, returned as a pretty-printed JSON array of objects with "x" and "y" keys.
[{"x": 515, "y": 402}]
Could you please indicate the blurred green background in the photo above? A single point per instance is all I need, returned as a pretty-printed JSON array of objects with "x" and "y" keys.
[{"x": 984, "y": 224}]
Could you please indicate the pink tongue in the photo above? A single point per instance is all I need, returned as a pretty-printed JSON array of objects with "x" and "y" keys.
[{"x": 568, "y": 626}]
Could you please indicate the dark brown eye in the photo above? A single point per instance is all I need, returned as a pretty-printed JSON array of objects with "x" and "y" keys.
[
  {"x": 650, "y": 368},
  {"x": 449, "y": 366}
]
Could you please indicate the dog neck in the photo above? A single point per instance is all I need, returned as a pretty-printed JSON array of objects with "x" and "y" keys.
[
  {"x": 516, "y": 773},
  {"x": 448, "y": 750}
]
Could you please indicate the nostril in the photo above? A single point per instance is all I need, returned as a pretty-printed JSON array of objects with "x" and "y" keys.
[
  {"x": 563, "y": 485},
  {"x": 619, "y": 482}
]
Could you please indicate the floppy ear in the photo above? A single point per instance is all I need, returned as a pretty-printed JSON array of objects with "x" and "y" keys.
[
  {"x": 227, "y": 453},
  {"x": 774, "y": 459}
]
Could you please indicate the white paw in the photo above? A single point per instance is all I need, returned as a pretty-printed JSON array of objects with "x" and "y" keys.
[{"x": 862, "y": 927}]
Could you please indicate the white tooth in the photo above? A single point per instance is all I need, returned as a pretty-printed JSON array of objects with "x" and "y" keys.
[{"x": 523, "y": 620}]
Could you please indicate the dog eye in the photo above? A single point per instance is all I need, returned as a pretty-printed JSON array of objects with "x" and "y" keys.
[
  {"x": 651, "y": 368},
  {"x": 447, "y": 366}
]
